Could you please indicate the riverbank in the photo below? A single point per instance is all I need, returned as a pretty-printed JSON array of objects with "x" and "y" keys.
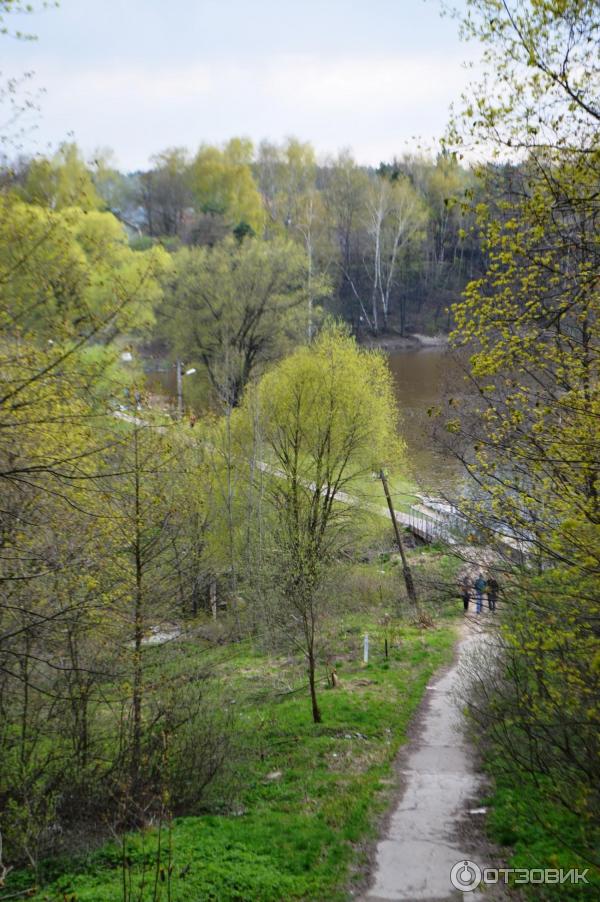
[{"x": 392, "y": 342}]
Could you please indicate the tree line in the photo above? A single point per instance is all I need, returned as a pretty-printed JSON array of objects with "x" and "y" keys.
[{"x": 395, "y": 245}]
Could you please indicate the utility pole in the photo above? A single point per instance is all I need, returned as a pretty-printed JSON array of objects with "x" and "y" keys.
[
  {"x": 179, "y": 366},
  {"x": 410, "y": 586}
]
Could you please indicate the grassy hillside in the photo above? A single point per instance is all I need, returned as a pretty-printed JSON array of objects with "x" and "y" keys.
[{"x": 290, "y": 816}]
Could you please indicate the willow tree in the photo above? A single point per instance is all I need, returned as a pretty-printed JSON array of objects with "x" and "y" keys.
[
  {"x": 326, "y": 418},
  {"x": 70, "y": 275}
]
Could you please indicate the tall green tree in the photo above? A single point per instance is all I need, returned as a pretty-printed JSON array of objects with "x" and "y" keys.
[
  {"x": 222, "y": 182},
  {"x": 62, "y": 181},
  {"x": 165, "y": 192},
  {"x": 322, "y": 419},
  {"x": 69, "y": 273},
  {"x": 235, "y": 308}
]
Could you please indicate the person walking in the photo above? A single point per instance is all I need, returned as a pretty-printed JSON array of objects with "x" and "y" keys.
[
  {"x": 480, "y": 585},
  {"x": 492, "y": 593},
  {"x": 465, "y": 593}
]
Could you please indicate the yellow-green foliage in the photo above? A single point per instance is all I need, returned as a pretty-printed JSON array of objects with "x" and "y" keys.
[
  {"x": 63, "y": 181},
  {"x": 335, "y": 401},
  {"x": 318, "y": 423},
  {"x": 531, "y": 327},
  {"x": 66, "y": 272},
  {"x": 222, "y": 182}
]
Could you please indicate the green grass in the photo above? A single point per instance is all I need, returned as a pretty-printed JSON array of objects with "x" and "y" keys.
[
  {"x": 402, "y": 490},
  {"x": 538, "y": 833},
  {"x": 297, "y": 836}
]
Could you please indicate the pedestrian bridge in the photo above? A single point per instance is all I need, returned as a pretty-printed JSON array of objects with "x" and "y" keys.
[{"x": 422, "y": 520}]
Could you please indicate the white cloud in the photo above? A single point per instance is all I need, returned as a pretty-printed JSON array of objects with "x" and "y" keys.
[
  {"x": 130, "y": 85},
  {"x": 370, "y": 103},
  {"x": 365, "y": 84}
]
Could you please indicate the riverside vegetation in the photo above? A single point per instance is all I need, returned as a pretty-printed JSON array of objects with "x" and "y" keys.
[{"x": 181, "y": 595}]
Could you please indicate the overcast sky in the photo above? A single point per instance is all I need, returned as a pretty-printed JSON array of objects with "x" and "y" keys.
[{"x": 142, "y": 75}]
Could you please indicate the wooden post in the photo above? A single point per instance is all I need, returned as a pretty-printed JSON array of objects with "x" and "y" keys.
[
  {"x": 213, "y": 598},
  {"x": 410, "y": 586}
]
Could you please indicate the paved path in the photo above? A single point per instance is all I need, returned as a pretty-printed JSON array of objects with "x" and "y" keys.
[{"x": 424, "y": 837}]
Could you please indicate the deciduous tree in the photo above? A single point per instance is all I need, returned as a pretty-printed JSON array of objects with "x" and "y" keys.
[
  {"x": 235, "y": 308},
  {"x": 531, "y": 327},
  {"x": 325, "y": 418}
]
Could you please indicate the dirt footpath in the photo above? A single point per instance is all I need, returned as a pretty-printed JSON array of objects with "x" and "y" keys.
[{"x": 436, "y": 824}]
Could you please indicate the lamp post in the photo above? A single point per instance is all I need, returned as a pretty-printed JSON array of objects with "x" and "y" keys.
[{"x": 180, "y": 374}]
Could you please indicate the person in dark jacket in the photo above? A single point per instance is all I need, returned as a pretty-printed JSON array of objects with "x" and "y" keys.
[
  {"x": 465, "y": 593},
  {"x": 480, "y": 585},
  {"x": 492, "y": 593}
]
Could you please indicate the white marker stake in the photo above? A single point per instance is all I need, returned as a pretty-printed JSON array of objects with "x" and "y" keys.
[{"x": 366, "y": 649}]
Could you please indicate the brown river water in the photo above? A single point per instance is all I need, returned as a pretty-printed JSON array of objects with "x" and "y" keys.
[{"x": 422, "y": 380}]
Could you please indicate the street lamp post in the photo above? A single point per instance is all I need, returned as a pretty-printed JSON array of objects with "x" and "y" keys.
[{"x": 180, "y": 374}]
